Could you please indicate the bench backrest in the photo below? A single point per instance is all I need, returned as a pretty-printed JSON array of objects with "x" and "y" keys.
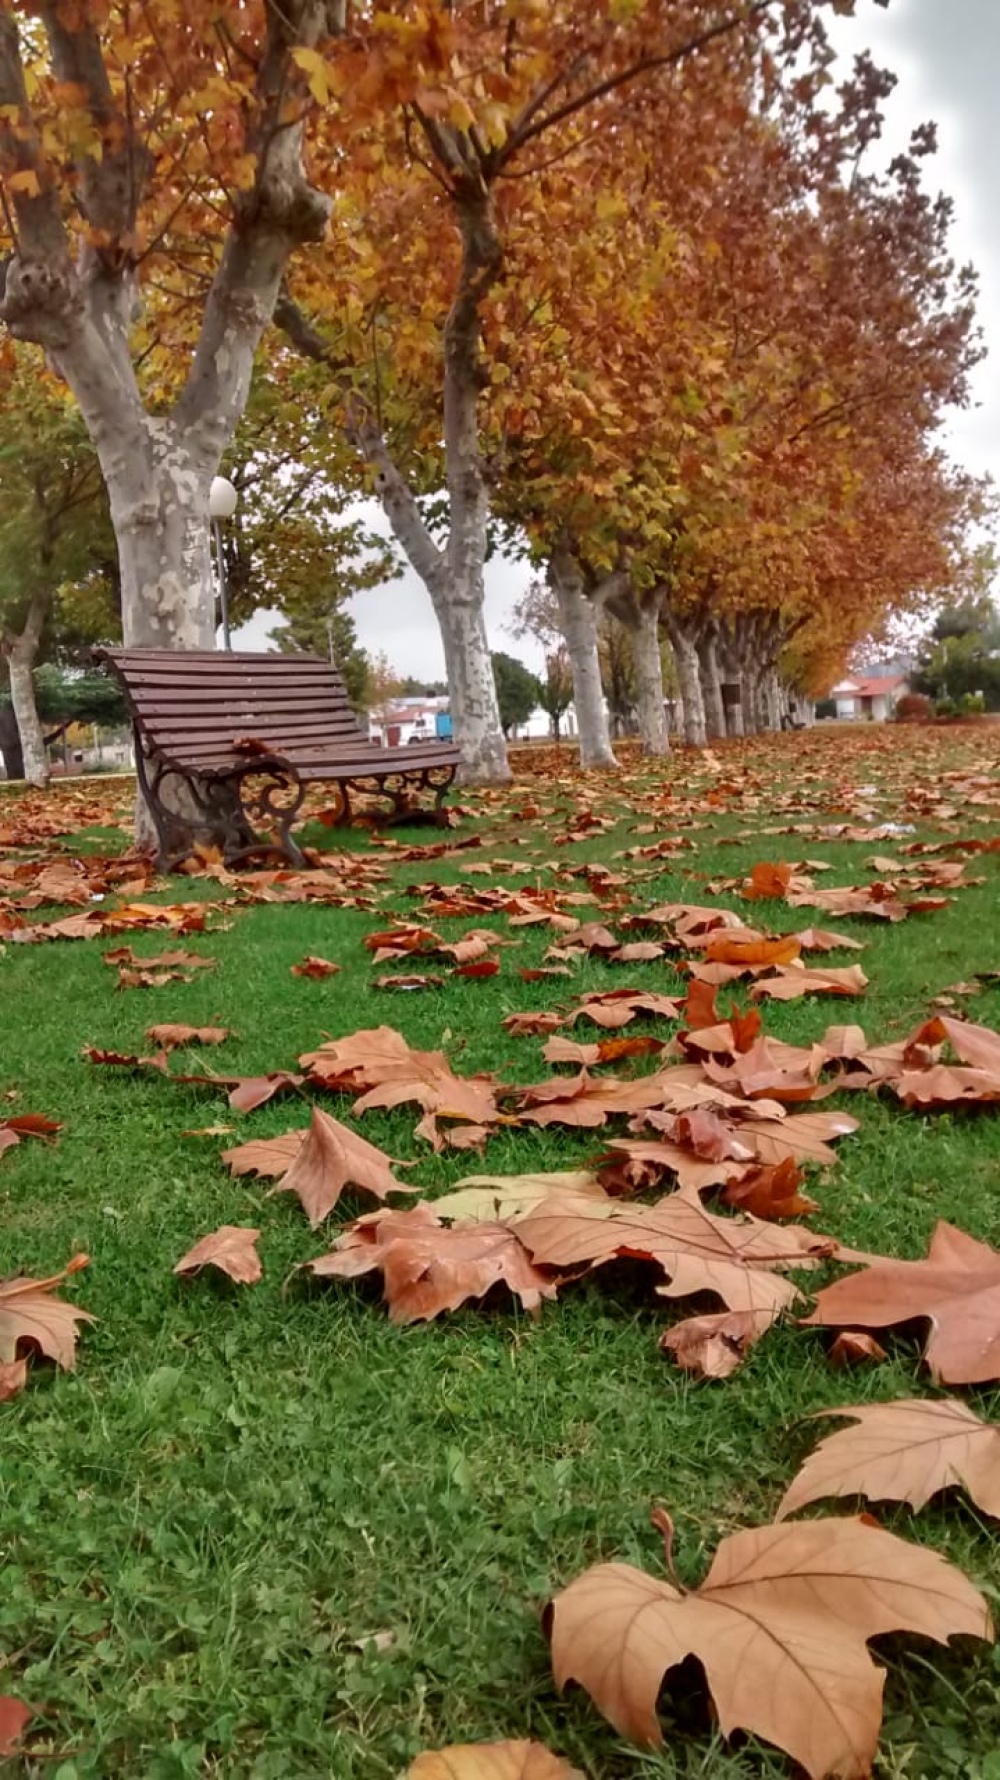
[{"x": 191, "y": 705}]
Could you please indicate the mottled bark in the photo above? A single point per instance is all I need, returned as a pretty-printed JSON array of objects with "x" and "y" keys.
[
  {"x": 20, "y": 652},
  {"x": 649, "y": 678},
  {"x": 711, "y": 687},
  {"x": 689, "y": 681},
  {"x": 578, "y": 618},
  {"x": 29, "y": 728}
]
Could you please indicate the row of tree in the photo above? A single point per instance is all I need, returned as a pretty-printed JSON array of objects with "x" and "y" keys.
[{"x": 614, "y": 283}]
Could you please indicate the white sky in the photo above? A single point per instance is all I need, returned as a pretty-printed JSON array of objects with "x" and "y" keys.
[{"x": 946, "y": 54}]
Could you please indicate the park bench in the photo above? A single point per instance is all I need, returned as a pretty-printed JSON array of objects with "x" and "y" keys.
[{"x": 226, "y": 746}]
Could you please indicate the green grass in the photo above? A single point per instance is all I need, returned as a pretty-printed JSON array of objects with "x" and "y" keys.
[{"x": 206, "y": 1527}]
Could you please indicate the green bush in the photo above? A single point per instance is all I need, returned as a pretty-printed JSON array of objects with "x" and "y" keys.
[
  {"x": 945, "y": 707},
  {"x": 972, "y": 704}
]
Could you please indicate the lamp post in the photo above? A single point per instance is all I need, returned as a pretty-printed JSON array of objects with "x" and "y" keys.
[{"x": 222, "y": 501}]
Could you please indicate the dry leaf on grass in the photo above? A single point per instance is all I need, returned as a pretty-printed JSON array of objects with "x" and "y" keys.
[
  {"x": 487, "y": 1198},
  {"x": 615, "y": 1008},
  {"x": 15, "y": 1718},
  {"x": 232, "y": 1249},
  {"x": 780, "y": 1626},
  {"x": 791, "y": 981},
  {"x": 771, "y": 1193},
  {"x": 491, "y": 1761},
  {"x": 853, "y": 1348},
  {"x": 739, "y": 1261},
  {"x": 751, "y": 948},
  {"x": 169, "y": 1038},
  {"x": 13, "y": 1378},
  {"x": 330, "y": 1158},
  {"x": 428, "y": 1267},
  {"x": 714, "y": 1346},
  {"x": 31, "y": 1314},
  {"x": 315, "y": 967},
  {"x": 902, "y": 1452},
  {"x": 266, "y": 1155},
  {"x": 956, "y": 1289}
]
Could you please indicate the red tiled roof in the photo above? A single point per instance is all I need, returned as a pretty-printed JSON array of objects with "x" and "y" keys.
[{"x": 880, "y": 685}]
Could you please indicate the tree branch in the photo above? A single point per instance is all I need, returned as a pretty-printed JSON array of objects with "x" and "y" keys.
[
  {"x": 530, "y": 125},
  {"x": 281, "y": 210}
]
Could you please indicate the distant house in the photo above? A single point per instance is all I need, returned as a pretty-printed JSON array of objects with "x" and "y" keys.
[
  {"x": 869, "y": 697},
  {"x": 407, "y": 720}
]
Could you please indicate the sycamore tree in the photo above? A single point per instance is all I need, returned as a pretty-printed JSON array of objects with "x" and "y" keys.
[
  {"x": 522, "y": 84},
  {"x": 159, "y": 166}
]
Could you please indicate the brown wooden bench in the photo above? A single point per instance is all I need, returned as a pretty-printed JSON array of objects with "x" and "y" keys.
[{"x": 226, "y": 746}]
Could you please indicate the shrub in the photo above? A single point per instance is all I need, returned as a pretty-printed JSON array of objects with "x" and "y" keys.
[
  {"x": 913, "y": 707},
  {"x": 945, "y": 707},
  {"x": 972, "y": 704}
]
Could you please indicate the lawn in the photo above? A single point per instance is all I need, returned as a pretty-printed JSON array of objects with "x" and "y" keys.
[{"x": 261, "y": 1531}]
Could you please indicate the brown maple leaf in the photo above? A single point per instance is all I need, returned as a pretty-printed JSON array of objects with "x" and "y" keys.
[
  {"x": 615, "y": 1008},
  {"x": 15, "y": 1718},
  {"x": 770, "y": 1193},
  {"x": 751, "y": 948},
  {"x": 906, "y": 1451},
  {"x": 330, "y": 1158},
  {"x": 714, "y": 1346},
  {"x": 169, "y": 1038},
  {"x": 736, "y": 1259},
  {"x": 232, "y": 1249},
  {"x": 266, "y": 1155},
  {"x": 31, "y": 1314},
  {"x": 312, "y": 966},
  {"x": 853, "y": 1348},
  {"x": 491, "y": 1761},
  {"x": 767, "y": 881},
  {"x": 783, "y": 1610},
  {"x": 429, "y": 1267},
  {"x": 956, "y": 1289},
  {"x": 791, "y": 981},
  {"x": 13, "y": 1378}
]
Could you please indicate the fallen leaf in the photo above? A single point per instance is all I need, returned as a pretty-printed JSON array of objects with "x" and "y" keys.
[
  {"x": 767, "y": 881},
  {"x": 780, "y": 1626},
  {"x": 30, "y": 1313},
  {"x": 791, "y": 981},
  {"x": 13, "y": 1378},
  {"x": 266, "y": 1155},
  {"x": 735, "y": 1259},
  {"x": 15, "y": 1717},
  {"x": 169, "y": 1038},
  {"x": 906, "y": 1451},
  {"x": 770, "y": 1192},
  {"x": 714, "y": 1346},
  {"x": 330, "y": 1158},
  {"x": 232, "y": 1248},
  {"x": 485, "y": 1198},
  {"x": 429, "y": 1267},
  {"x": 491, "y": 1761},
  {"x": 956, "y": 1289},
  {"x": 414, "y": 980},
  {"x": 751, "y": 948},
  {"x": 315, "y": 967},
  {"x": 853, "y": 1348}
]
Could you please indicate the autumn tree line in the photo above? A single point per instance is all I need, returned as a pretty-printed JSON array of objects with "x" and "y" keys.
[{"x": 618, "y": 284}]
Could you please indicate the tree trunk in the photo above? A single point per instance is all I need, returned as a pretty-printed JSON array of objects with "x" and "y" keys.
[
  {"x": 711, "y": 688},
  {"x": 578, "y": 618},
  {"x": 22, "y": 696},
  {"x": 475, "y": 713},
  {"x": 158, "y": 489},
  {"x": 752, "y": 723},
  {"x": 649, "y": 680},
  {"x": 10, "y": 743},
  {"x": 689, "y": 681}
]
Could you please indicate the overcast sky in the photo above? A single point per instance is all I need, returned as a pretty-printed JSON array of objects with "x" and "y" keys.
[{"x": 946, "y": 54}]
